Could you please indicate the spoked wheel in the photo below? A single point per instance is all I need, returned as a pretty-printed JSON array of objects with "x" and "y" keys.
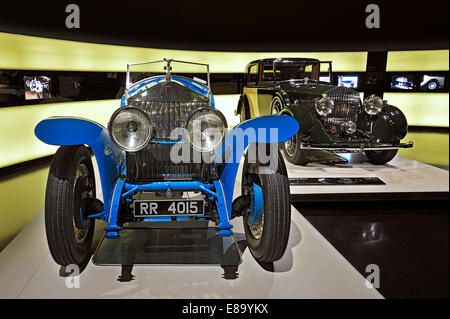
[
  {"x": 267, "y": 220},
  {"x": 293, "y": 151},
  {"x": 380, "y": 157},
  {"x": 70, "y": 191},
  {"x": 276, "y": 107}
]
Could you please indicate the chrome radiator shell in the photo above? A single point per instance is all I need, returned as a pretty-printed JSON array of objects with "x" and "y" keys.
[{"x": 346, "y": 108}]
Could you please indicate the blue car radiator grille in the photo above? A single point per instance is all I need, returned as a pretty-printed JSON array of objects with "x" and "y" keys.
[{"x": 153, "y": 163}]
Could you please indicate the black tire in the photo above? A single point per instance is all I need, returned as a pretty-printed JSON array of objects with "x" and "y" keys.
[
  {"x": 380, "y": 157},
  {"x": 292, "y": 151},
  {"x": 243, "y": 113},
  {"x": 271, "y": 244},
  {"x": 71, "y": 176},
  {"x": 276, "y": 106}
]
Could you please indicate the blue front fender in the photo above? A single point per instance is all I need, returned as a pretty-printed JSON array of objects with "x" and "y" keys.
[
  {"x": 267, "y": 129},
  {"x": 77, "y": 131}
]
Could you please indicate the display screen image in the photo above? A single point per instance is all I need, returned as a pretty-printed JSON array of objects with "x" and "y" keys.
[
  {"x": 403, "y": 82},
  {"x": 37, "y": 87},
  {"x": 432, "y": 82},
  {"x": 348, "y": 81},
  {"x": 70, "y": 86},
  {"x": 324, "y": 78}
]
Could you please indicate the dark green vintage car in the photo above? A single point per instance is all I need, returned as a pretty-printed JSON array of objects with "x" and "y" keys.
[{"x": 331, "y": 118}]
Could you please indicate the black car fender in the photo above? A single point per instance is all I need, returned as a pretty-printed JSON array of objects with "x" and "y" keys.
[
  {"x": 243, "y": 101},
  {"x": 388, "y": 126},
  {"x": 284, "y": 97},
  {"x": 309, "y": 126}
]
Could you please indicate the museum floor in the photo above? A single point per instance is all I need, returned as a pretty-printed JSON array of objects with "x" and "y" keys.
[{"x": 331, "y": 244}]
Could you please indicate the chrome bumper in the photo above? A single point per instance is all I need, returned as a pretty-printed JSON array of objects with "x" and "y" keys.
[{"x": 356, "y": 149}]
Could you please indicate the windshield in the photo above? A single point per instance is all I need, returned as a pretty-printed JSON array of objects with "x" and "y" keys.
[
  {"x": 143, "y": 77},
  {"x": 296, "y": 71}
]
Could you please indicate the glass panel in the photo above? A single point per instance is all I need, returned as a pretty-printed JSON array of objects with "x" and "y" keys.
[
  {"x": 168, "y": 246},
  {"x": 147, "y": 82},
  {"x": 253, "y": 73},
  {"x": 168, "y": 91},
  {"x": 267, "y": 72},
  {"x": 296, "y": 71},
  {"x": 141, "y": 71}
]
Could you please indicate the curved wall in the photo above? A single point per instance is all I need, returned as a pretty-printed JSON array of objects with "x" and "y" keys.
[{"x": 19, "y": 144}]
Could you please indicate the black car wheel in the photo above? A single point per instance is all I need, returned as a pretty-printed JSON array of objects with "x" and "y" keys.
[
  {"x": 380, "y": 157},
  {"x": 70, "y": 188},
  {"x": 267, "y": 233},
  {"x": 293, "y": 151},
  {"x": 276, "y": 106}
]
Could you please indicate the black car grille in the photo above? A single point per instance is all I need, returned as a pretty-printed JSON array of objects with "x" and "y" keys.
[
  {"x": 153, "y": 163},
  {"x": 346, "y": 108}
]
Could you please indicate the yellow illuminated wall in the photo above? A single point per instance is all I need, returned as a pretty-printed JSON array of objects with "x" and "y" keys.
[
  {"x": 426, "y": 60},
  {"x": 34, "y": 53},
  {"x": 19, "y": 144},
  {"x": 422, "y": 109},
  {"x": 28, "y": 53},
  {"x": 429, "y": 147},
  {"x": 17, "y": 140}
]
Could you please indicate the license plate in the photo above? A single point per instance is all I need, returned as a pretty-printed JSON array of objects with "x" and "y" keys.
[{"x": 147, "y": 208}]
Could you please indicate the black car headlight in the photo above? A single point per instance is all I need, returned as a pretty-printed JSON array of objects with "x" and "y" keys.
[
  {"x": 324, "y": 106},
  {"x": 206, "y": 129},
  {"x": 130, "y": 129},
  {"x": 373, "y": 104}
]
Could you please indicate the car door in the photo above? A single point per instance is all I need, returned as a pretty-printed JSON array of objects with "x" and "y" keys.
[
  {"x": 251, "y": 90},
  {"x": 265, "y": 88}
]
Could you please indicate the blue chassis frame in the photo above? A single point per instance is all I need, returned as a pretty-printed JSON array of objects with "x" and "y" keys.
[{"x": 79, "y": 131}]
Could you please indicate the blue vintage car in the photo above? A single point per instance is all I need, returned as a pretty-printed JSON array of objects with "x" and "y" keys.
[{"x": 166, "y": 156}]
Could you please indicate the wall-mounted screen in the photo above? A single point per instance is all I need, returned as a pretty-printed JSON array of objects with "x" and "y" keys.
[
  {"x": 432, "y": 82},
  {"x": 349, "y": 81},
  {"x": 402, "y": 82},
  {"x": 37, "y": 87},
  {"x": 71, "y": 86}
]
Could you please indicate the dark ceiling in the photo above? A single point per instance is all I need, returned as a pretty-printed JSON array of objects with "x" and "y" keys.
[{"x": 278, "y": 25}]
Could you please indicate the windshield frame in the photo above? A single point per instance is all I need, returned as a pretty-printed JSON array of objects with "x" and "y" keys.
[
  {"x": 315, "y": 64},
  {"x": 168, "y": 74}
]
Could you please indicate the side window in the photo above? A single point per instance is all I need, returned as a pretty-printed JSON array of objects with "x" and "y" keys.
[
  {"x": 253, "y": 74},
  {"x": 267, "y": 75}
]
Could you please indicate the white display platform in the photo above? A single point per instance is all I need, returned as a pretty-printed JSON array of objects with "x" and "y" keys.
[
  {"x": 310, "y": 268},
  {"x": 404, "y": 178}
]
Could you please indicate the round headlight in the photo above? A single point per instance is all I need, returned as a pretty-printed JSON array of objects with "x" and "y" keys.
[
  {"x": 130, "y": 128},
  {"x": 350, "y": 127},
  {"x": 206, "y": 129},
  {"x": 373, "y": 104},
  {"x": 324, "y": 106}
]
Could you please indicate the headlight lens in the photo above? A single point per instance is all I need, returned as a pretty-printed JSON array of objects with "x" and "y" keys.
[
  {"x": 206, "y": 128},
  {"x": 350, "y": 127},
  {"x": 373, "y": 104},
  {"x": 324, "y": 106},
  {"x": 130, "y": 129}
]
